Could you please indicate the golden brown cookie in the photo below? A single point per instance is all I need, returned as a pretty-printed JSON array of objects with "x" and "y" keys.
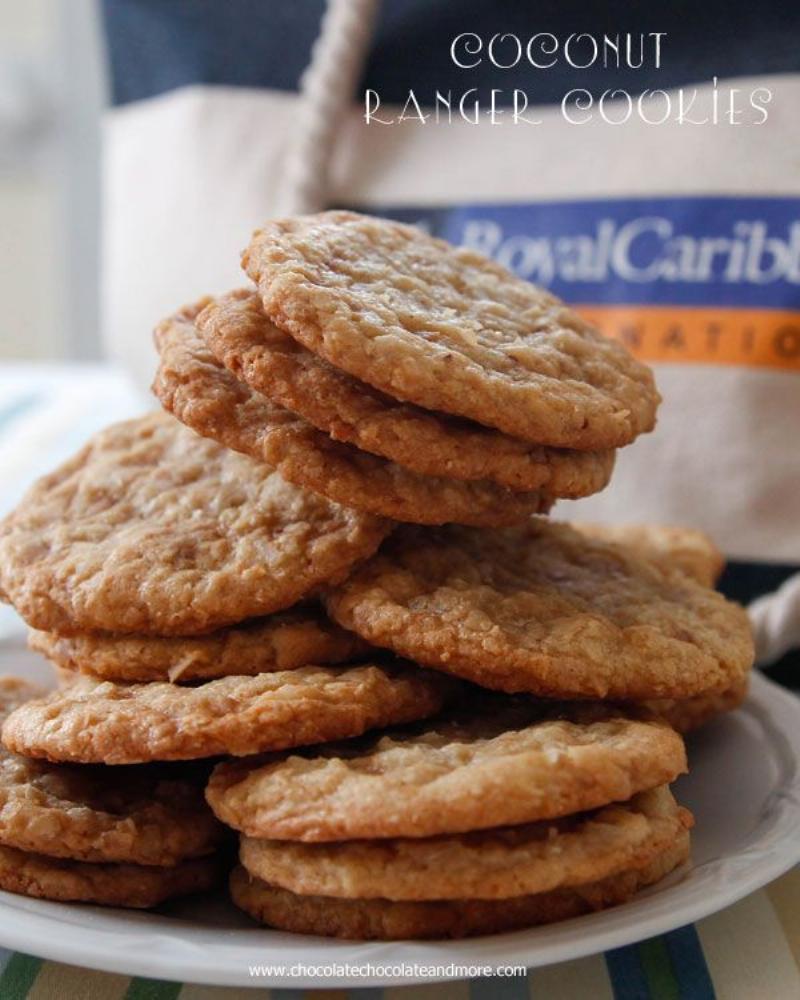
[
  {"x": 101, "y": 722},
  {"x": 382, "y": 919},
  {"x": 682, "y": 548},
  {"x": 542, "y": 608},
  {"x": 279, "y": 642},
  {"x": 205, "y": 396},
  {"x": 504, "y": 762},
  {"x": 153, "y": 529},
  {"x": 449, "y": 330},
  {"x": 136, "y": 886},
  {"x": 433, "y": 444},
  {"x": 142, "y": 815},
  {"x": 688, "y": 714},
  {"x": 487, "y": 864}
]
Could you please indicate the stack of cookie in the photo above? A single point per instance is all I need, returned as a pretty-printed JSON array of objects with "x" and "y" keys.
[
  {"x": 155, "y": 556},
  {"x": 126, "y": 837},
  {"x": 508, "y": 814},
  {"x": 239, "y": 585},
  {"x": 391, "y": 372},
  {"x": 154, "y": 568},
  {"x": 517, "y": 810}
]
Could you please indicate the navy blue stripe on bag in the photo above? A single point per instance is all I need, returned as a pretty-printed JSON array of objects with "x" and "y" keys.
[{"x": 157, "y": 46}]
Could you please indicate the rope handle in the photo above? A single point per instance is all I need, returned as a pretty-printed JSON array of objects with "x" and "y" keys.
[
  {"x": 776, "y": 621},
  {"x": 327, "y": 87}
]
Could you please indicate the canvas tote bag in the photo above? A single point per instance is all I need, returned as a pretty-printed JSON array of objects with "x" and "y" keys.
[{"x": 673, "y": 221}]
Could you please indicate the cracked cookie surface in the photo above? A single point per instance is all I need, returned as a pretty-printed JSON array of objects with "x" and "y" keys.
[
  {"x": 141, "y": 815},
  {"x": 544, "y": 609},
  {"x": 193, "y": 385},
  {"x": 448, "y": 329},
  {"x": 682, "y": 548},
  {"x": 503, "y": 762},
  {"x": 153, "y": 529},
  {"x": 487, "y": 864},
  {"x": 281, "y": 641},
  {"x": 435, "y": 444},
  {"x": 92, "y": 721}
]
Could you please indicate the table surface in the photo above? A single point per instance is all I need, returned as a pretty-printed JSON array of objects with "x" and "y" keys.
[{"x": 750, "y": 951}]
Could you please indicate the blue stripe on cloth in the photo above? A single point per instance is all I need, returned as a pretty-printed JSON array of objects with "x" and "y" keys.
[
  {"x": 18, "y": 407},
  {"x": 689, "y": 964},
  {"x": 495, "y": 988},
  {"x": 5, "y": 956},
  {"x": 625, "y": 970}
]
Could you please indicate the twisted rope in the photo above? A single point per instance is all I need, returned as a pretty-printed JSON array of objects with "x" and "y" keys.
[{"x": 326, "y": 89}]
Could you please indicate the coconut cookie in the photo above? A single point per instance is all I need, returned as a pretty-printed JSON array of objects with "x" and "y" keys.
[
  {"x": 382, "y": 919},
  {"x": 102, "y": 722},
  {"x": 449, "y": 330},
  {"x": 503, "y": 763},
  {"x": 434, "y": 444},
  {"x": 672, "y": 546},
  {"x": 279, "y": 642},
  {"x": 136, "y": 886},
  {"x": 203, "y": 394},
  {"x": 153, "y": 529},
  {"x": 695, "y": 554},
  {"x": 142, "y": 815},
  {"x": 688, "y": 714},
  {"x": 488, "y": 864},
  {"x": 543, "y": 608}
]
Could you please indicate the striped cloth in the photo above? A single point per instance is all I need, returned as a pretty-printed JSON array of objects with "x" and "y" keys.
[{"x": 750, "y": 951}]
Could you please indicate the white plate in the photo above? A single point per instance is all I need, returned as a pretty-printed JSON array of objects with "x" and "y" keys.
[{"x": 743, "y": 789}]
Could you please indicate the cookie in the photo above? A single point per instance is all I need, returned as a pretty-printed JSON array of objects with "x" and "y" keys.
[
  {"x": 153, "y": 529},
  {"x": 502, "y": 763},
  {"x": 488, "y": 864},
  {"x": 688, "y": 714},
  {"x": 449, "y": 330},
  {"x": 279, "y": 642},
  {"x": 204, "y": 395},
  {"x": 682, "y": 548},
  {"x": 134, "y": 886},
  {"x": 92, "y": 722},
  {"x": 542, "y": 608},
  {"x": 433, "y": 444},
  {"x": 142, "y": 815},
  {"x": 385, "y": 920}
]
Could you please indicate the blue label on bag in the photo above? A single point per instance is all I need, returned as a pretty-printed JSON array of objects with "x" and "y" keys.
[{"x": 696, "y": 279}]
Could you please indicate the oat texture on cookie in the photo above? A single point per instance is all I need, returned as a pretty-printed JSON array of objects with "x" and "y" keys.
[
  {"x": 281, "y": 641},
  {"x": 133, "y": 836},
  {"x": 499, "y": 762},
  {"x": 388, "y": 920},
  {"x": 545, "y": 609},
  {"x": 152, "y": 816},
  {"x": 193, "y": 385},
  {"x": 497, "y": 863},
  {"x": 507, "y": 814},
  {"x": 432, "y": 443},
  {"x": 448, "y": 329},
  {"x": 153, "y": 529},
  {"x": 91, "y": 721}
]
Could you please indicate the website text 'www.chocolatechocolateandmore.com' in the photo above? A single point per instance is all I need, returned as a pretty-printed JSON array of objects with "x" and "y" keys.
[{"x": 411, "y": 971}]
